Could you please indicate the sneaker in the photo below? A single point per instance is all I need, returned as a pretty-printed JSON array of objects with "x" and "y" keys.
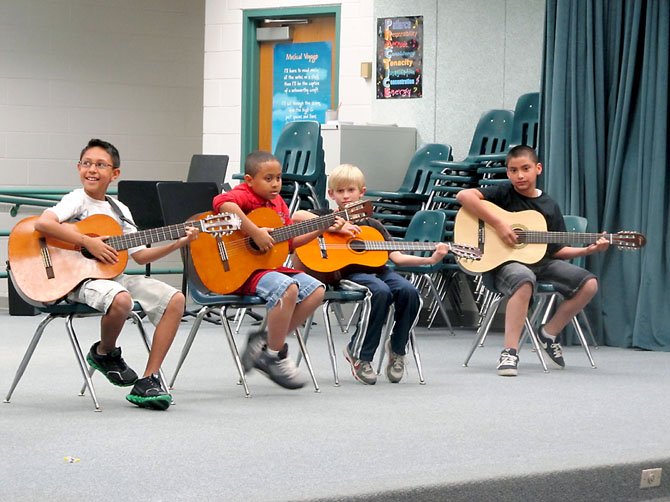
[
  {"x": 148, "y": 393},
  {"x": 255, "y": 343},
  {"x": 280, "y": 369},
  {"x": 553, "y": 349},
  {"x": 362, "y": 370},
  {"x": 508, "y": 363},
  {"x": 395, "y": 369},
  {"x": 112, "y": 366}
]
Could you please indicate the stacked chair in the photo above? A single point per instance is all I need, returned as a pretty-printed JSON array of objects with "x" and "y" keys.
[
  {"x": 396, "y": 208},
  {"x": 525, "y": 131},
  {"x": 300, "y": 151}
]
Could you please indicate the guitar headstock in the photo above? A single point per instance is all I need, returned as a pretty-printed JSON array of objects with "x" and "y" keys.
[
  {"x": 628, "y": 240},
  {"x": 220, "y": 224},
  {"x": 465, "y": 251},
  {"x": 358, "y": 210}
]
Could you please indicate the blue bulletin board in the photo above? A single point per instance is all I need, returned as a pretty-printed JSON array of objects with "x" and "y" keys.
[{"x": 301, "y": 84}]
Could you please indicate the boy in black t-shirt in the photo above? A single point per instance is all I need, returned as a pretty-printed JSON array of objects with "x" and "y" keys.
[{"x": 516, "y": 280}]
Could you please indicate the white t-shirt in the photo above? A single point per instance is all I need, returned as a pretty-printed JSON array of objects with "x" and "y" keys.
[{"x": 77, "y": 205}]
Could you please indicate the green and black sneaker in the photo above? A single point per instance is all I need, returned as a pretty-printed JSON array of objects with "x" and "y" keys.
[
  {"x": 148, "y": 393},
  {"x": 112, "y": 366}
]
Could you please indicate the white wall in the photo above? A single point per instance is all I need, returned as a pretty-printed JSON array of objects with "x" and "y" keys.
[
  {"x": 478, "y": 55},
  {"x": 126, "y": 71}
]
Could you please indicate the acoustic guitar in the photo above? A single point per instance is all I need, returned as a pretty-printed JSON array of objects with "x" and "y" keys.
[
  {"x": 531, "y": 230},
  {"x": 329, "y": 256},
  {"x": 45, "y": 269},
  {"x": 224, "y": 264}
]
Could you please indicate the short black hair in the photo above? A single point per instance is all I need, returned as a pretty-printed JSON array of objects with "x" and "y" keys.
[
  {"x": 252, "y": 163},
  {"x": 521, "y": 151},
  {"x": 106, "y": 146}
]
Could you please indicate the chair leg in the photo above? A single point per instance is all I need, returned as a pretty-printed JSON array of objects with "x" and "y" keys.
[
  {"x": 582, "y": 339},
  {"x": 83, "y": 366},
  {"x": 308, "y": 361},
  {"x": 233, "y": 350},
  {"x": 189, "y": 341},
  {"x": 29, "y": 353},
  {"x": 330, "y": 341},
  {"x": 440, "y": 304},
  {"x": 484, "y": 326},
  {"x": 589, "y": 330},
  {"x": 536, "y": 343},
  {"x": 388, "y": 328},
  {"x": 305, "y": 336}
]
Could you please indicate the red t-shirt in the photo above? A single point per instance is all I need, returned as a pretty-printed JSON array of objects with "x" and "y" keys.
[{"x": 248, "y": 200}]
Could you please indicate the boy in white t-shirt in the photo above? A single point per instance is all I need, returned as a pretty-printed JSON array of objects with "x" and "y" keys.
[{"x": 99, "y": 165}]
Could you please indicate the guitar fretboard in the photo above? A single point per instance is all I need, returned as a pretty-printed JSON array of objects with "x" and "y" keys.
[
  {"x": 287, "y": 232},
  {"x": 143, "y": 237},
  {"x": 392, "y": 246},
  {"x": 537, "y": 237}
]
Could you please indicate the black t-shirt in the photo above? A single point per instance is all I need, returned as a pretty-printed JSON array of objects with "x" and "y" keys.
[{"x": 507, "y": 198}]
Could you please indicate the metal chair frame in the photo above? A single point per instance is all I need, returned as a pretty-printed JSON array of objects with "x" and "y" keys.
[{"x": 70, "y": 311}]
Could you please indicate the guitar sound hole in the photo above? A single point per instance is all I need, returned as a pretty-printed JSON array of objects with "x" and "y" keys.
[
  {"x": 87, "y": 253},
  {"x": 357, "y": 245}
]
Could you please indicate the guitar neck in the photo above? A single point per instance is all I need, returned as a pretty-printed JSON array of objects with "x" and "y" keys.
[
  {"x": 144, "y": 237},
  {"x": 394, "y": 246},
  {"x": 538, "y": 237},
  {"x": 287, "y": 232}
]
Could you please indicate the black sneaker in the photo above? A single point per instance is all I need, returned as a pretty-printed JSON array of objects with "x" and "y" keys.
[
  {"x": 553, "y": 349},
  {"x": 148, "y": 393},
  {"x": 255, "y": 343},
  {"x": 508, "y": 363},
  {"x": 280, "y": 369},
  {"x": 112, "y": 366}
]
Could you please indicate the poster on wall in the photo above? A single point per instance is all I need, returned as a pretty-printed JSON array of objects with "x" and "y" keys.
[
  {"x": 301, "y": 84},
  {"x": 399, "y": 57}
]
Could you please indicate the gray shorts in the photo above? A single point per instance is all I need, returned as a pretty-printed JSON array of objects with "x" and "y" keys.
[
  {"x": 153, "y": 295},
  {"x": 272, "y": 286},
  {"x": 564, "y": 276}
]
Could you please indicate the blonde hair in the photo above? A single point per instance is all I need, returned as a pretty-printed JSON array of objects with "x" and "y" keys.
[{"x": 346, "y": 175}]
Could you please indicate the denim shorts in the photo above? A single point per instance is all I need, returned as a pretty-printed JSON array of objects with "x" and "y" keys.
[
  {"x": 153, "y": 295},
  {"x": 272, "y": 286},
  {"x": 564, "y": 276}
]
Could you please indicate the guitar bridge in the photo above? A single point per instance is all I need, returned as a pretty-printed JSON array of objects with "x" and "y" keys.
[
  {"x": 481, "y": 232},
  {"x": 46, "y": 258},
  {"x": 223, "y": 254},
  {"x": 322, "y": 247}
]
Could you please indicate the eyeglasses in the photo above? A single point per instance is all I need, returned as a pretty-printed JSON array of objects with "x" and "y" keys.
[{"x": 99, "y": 165}]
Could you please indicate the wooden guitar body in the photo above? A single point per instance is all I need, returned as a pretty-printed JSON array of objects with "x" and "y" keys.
[
  {"x": 224, "y": 264},
  {"x": 39, "y": 282}
]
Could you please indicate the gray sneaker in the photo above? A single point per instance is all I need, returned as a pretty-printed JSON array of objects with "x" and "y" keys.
[
  {"x": 508, "y": 363},
  {"x": 362, "y": 370},
  {"x": 255, "y": 343},
  {"x": 280, "y": 369},
  {"x": 395, "y": 369},
  {"x": 552, "y": 349}
]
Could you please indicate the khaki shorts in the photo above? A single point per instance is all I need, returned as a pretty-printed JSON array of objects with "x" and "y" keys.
[{"x": 153, "y": 295}]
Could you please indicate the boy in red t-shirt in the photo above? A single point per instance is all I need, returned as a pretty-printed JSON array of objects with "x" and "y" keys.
[{"x": 291, "y": 296}]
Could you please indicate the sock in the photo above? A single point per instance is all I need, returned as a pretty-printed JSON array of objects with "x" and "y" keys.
[
  {"x": 273, "y": 353},
  {"x": 547, "y": 335}
]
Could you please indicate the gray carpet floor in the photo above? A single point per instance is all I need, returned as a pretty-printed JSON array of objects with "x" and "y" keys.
[{"x": 466, "y": 427}]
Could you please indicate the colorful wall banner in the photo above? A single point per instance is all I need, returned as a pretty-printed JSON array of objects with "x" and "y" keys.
[
  {"x": 301, "y": 84},
  {"x": 399, "y": 57}
]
